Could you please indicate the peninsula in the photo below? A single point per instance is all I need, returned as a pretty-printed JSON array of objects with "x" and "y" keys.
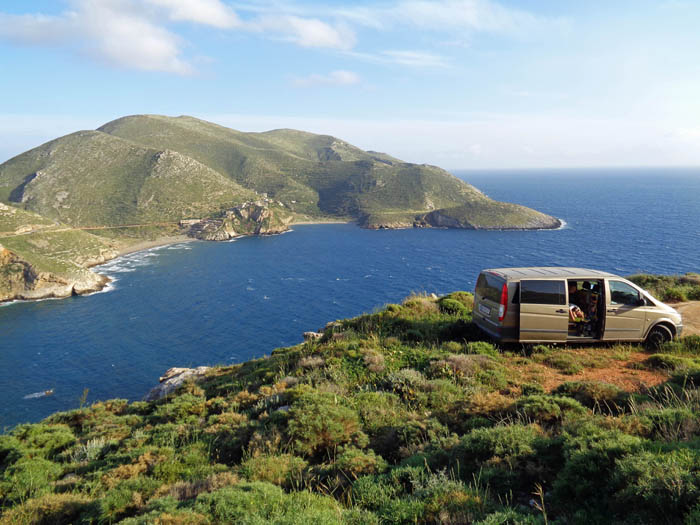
[{"x": 82, "y": 199}]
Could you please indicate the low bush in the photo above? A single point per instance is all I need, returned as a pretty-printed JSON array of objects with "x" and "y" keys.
[
  {"x": 594, "y": 394},
  {"x": 657, "y": 486},
  {"x": 320, "y": 421},
  {"x": 284, "y": 470},
  {"x": 259, "y": 503},
  {"x": 548, "y": 409},
  {"x": 565, "y": 363},
  {"x": 27, "y": 478},
  {"x": 49, "y": 509},
  {"x": 672, "y": 363},
  {"x": 452, "y": 307}
]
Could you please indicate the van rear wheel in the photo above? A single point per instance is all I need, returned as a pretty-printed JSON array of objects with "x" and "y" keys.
[{"x": 658, "y": 335}]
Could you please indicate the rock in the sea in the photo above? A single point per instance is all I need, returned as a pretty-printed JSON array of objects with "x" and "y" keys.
[{"x": 173, "y": 379}]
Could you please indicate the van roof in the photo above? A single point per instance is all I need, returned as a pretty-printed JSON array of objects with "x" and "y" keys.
[{"x": 514, "y": 274}]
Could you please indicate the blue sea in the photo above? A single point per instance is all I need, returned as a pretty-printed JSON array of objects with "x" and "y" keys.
[{"x": 205, "y": 303}]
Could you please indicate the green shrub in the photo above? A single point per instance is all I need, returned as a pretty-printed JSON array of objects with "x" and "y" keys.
[
  {"x": 262, "y": 503},
  {"x": 509, "y": 517},
  {"x": 589, "y": 454},
  {"x": 354, "y": 462},
  {"x": 529, "y": 389},
  {"x": 405, "y": 382},
  {"x": 671, "y": 362},
  {"x": 393, "y": 308},
  {"x": 319, "y": 421},
  {"x": 593, "y": 393},
  {"x": 673, "y": 423},
  {"x": 482, "y": 348},
  {"x": 675, "y": 293},
  {"x": 49, "y": 509},
  {"x": 658, "y": 486},
  {"x": 46, "y": 440},
  {"x": 28, "y": 478},
  {"x": 546, "y": 409},
  {"x": 565, "y": 363},
  {"x": 498, "y": 455},
  {"x": 284, "y": 470},
  {"x": 124, "y": 499},
  {"x": 452, "y": 307}
]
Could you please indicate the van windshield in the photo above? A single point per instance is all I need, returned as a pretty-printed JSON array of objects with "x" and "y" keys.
[{"x": 489, "y": 287}]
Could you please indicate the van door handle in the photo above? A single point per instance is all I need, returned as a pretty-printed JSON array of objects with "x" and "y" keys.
[
  {"x": 561, "y": 311},
  {"x": 612, "y": 311}
]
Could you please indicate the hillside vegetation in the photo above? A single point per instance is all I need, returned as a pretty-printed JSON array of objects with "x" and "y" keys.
[
  {"x": 156, "y": 168},
  {"x": 43, "y": 258},
  {"x": 402, "y": 416}
]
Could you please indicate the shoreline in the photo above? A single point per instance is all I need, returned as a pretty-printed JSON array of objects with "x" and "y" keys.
[
  {"x": 142, "y": 245},
  {"x": 322, "y": 221}
]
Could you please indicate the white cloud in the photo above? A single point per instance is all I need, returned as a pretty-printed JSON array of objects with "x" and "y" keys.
[
  {"x": 415, "y": 58},
  {"x": 125, "y": 38},
  {"x": 207, "y": 12},
  {"x": 117, "y": 32},
  {"x": 305, "y": 32},
  {"x": 335, "y": 78}
]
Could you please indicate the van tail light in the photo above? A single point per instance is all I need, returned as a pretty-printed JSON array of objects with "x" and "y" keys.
[{"x": 503, "y": 308}]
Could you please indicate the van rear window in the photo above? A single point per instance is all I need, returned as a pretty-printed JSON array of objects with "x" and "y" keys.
[
  {"x": 489, "y": 287},
  {"x": 542, "y": 292}
]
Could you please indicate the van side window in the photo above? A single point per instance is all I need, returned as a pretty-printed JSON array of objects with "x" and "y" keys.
[
  {"x": 623, "y": 293},
  {"x": 542, "y": 292}
]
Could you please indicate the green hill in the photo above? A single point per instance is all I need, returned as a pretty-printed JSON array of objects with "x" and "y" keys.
[
  {"x": 90, "y": 178},
  {"x": 402, "y": 416},
  {"x": 155, "y": 168},
  {"x": 316, "y": 174}
]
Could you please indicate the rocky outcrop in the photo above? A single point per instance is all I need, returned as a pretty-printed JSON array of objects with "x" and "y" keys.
[
  {"x": 250, "y": 218},
  {"x": 445, "y": 219},
  {"x": 173, "y": 379},
  {"x": 19, "y": 280}
]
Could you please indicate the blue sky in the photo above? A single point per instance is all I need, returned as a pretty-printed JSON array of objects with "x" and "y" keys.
[{"x": 458, "y": 83}]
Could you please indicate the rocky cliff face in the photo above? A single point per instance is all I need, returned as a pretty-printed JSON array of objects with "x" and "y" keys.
[
  {"x": 250, "y": 218},
  {"x": 20, "y": 280}
]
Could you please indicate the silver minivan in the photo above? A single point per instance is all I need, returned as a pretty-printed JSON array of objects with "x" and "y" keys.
[{"x": 559, "y": 305}]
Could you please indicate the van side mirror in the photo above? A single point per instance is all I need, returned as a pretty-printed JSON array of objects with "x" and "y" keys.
[{"x": 641, "y": 301}]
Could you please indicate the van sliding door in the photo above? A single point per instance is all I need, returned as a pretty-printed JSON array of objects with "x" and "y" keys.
[{"x": 544, "y": 314}]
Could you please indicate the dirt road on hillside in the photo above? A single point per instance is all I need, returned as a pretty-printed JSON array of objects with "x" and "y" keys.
[{"x": 691, "y": 316}]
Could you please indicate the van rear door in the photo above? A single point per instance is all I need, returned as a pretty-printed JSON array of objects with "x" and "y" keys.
[{"x": 544, "y": 314}]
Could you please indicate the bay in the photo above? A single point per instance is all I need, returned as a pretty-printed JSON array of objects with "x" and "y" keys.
[{"x": 205, "y": 303}]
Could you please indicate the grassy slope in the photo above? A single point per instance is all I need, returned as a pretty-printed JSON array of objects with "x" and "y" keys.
[
  {"x": 321, "y": 173},
  {"x": 400, "y": 416},
  {"x": 48, "y": 249},
  {"x": 90, "y": 178}
]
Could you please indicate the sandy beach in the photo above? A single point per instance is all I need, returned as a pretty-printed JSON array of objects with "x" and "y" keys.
[{"x": 154, "y": 243}]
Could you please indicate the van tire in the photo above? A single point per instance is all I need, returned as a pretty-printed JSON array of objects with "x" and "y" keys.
[{"x": 658, "y": 335}]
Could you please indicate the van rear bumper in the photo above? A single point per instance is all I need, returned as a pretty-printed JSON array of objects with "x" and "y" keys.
[{"x": 497, "y": 332}]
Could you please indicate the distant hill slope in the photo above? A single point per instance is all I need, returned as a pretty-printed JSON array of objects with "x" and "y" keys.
[
  {"x": 90, "y": 178},
  {"x": 157, "y": 168}
]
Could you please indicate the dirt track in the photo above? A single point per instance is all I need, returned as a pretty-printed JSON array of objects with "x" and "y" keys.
[{"x": 691, "y": 316}]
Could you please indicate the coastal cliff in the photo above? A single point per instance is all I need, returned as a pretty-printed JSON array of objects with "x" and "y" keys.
[
  {"x": 250, "y": 218},
  {"x": 19, "y": 279}
]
